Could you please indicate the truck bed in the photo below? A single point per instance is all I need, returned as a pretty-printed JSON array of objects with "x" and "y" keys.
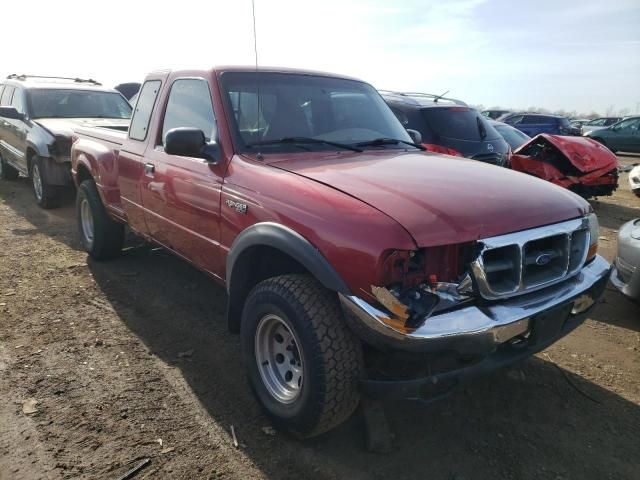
[{"x": 114, "y": 134}]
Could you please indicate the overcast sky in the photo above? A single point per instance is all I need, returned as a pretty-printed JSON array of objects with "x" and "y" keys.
[{"x": 568, "y": 54}]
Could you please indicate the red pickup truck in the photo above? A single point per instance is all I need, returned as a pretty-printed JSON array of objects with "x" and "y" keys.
[{"x": 355, "y": 263}]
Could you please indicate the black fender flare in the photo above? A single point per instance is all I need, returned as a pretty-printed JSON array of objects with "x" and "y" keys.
[{"x": 290, "y": 242}]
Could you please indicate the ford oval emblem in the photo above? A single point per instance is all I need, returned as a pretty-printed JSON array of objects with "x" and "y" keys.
[
  {"x": 490, "y": 147},
  {"x": 543, "y": 259}
]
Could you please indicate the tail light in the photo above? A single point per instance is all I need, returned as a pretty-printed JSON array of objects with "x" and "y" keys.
[{"x": 440, "y": 149}]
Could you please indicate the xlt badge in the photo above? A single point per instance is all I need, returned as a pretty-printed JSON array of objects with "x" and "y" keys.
[{"x": 237, "y": 206}]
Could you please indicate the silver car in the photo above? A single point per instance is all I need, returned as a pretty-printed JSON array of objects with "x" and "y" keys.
[
  {"x": 626, "y": 272},
  {"x": 634, "y": 180}
]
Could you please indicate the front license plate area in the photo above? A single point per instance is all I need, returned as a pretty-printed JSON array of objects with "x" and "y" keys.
[{"x": 547, "y": 325}]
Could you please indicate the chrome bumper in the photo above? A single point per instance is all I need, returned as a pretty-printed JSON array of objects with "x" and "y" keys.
[{"x": 479, "y": 329}]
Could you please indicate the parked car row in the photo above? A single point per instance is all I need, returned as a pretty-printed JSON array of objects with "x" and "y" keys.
[{"x": 360, "y": 254}]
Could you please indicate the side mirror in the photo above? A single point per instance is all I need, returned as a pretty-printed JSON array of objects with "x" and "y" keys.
[
  {"x": 11, "y": 113},
  {"x": 415, "y": 135},
  {"x": 191, "y": 142}
]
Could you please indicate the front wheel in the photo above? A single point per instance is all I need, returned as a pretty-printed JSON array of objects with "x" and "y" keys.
[
  {"x": 47, "y": 196},
  {"x": 302, "y": 360},
  {"x": 101, "y": 237}
]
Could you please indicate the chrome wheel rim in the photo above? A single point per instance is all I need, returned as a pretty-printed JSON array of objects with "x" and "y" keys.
[
  {"x": 86, "y": 221},
  {"x": 279, "y": 359},
  {"x": 37, "y": 182}
]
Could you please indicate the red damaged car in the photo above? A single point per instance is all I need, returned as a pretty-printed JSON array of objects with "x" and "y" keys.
[{"x": 580, "y": 164}]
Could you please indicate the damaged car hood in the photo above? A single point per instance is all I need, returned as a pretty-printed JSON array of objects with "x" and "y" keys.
[
  {"x": 66, "y": 126},
  {"x": 439, "y": 199},
  {"x": 585, "y": 154}
]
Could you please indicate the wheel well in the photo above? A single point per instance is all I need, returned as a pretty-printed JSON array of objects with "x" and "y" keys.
[
  {"x": 255, "y": 264},
  {"x": 30, "y": 154},
  {"x": 83, "y": 174}
]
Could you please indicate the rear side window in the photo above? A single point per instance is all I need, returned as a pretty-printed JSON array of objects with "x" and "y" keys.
[
  {"x": 514, "y": 120},
  {"x": 564, "y": 122},
  {"x": 190, "y": 106},
  {"x": 147, "y": 99},
  {"x": 534, "y": 119},
  {"x": 459, "y": 123},
  {"x": 5, "y": 100}
]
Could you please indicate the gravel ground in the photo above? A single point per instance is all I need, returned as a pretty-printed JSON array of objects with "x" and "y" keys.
[{"x": 105, "y": 364}]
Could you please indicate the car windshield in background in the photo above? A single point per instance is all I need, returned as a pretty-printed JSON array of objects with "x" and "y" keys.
[
  {"x": 460, "y": 123},
  {"x": 54, "y": 103},
  {"x": 269, "y": 107},
  {"x": 513, "y": 136}
]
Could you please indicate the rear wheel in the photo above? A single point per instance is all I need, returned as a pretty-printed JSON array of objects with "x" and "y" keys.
[
  {"x": 47, "y": 196},
  {"x": 7, "y": 172},
  {"x": 302, "y": 360},
  {"x": 101, "y": 237}
]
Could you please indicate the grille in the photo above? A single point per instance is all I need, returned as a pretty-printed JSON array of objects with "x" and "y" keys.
[
  {"x": 525, "y": 261},
  {"x": 492, "y": 158}
]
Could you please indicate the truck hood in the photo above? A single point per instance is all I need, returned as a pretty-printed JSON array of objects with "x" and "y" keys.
[
  {"x": 585, "y": 154},
  {"x": 66, "y": 126},
  {"x": 439, "y": 199}
]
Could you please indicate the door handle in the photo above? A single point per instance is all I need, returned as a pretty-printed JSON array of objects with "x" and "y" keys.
[{"x": 149, "y": 168}]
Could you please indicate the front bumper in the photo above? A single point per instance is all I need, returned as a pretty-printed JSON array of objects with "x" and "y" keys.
[
  {"x": 626, "y": 271},
  {"x": 498, "y": 335},
  {"x": 478, "y": 330}
]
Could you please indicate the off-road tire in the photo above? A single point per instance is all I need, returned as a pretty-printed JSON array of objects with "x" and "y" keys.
[
  {"x": 51, "y": 194},
  {"x": 108, "y": 235},
  {"x": 332, "y": 356},
  {"x": 7, "y": 172}
]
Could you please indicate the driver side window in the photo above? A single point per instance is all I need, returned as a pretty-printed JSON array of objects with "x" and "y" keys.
[
  {"x": 190, "y": 106},
  {"x": 631, "y": 124},
  {"x": 16, "y": 101}
]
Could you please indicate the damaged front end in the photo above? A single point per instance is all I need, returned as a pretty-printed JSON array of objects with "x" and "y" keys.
[
  {"x": 579, "y": 164},
  {"x": 474, "y": 297},
  {"x": 420, "y": 283}
]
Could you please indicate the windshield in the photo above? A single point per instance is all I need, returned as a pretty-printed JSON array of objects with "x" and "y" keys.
[
  {"x": 513, "y": 136},
  {"x": 271, "y": 106},
  {"x": 460, "y": 123},
  {"x": 50, "y": 103}
]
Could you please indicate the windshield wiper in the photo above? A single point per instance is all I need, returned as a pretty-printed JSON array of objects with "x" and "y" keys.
[
  {"x": 302, "y": 140},
  {"x": 481, "y": 130},
  {"x": 387, "y": 141}
]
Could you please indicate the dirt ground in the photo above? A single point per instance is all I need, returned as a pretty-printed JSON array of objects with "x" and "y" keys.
[{"x": 105, "y": 364}]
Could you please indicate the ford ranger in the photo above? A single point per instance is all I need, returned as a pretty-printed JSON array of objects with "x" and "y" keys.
[
  {"x": 37, "y": 117},
  {"x": 355, "y": 263}
]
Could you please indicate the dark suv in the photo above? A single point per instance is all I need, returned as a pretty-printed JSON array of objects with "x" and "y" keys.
[
  {"x": 449, "y": 126},
  {"x": 37, "y": 117},
  {"x": 535, "y": 123}
]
